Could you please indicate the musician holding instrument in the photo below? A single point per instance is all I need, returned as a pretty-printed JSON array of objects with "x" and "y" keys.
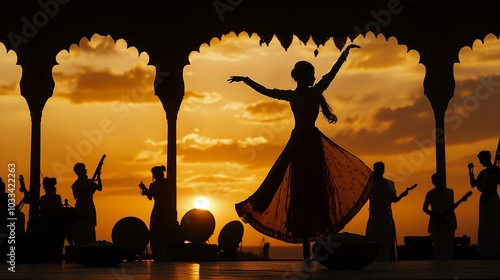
[
  {"x": 163, "y": 211},
  {"x": 51, "y": 216},
  {"x": 83, "y": 192},
  {"x": 439, "y": 205},
  {"x": 488, "y": 239},
  {"x": 380, "y": 225}
]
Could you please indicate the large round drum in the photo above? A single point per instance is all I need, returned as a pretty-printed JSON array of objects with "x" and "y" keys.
[
  {"x": 231, "y": 235},
  {"x": 132, "y": 234},
  {"x": 197, "y": 225}
]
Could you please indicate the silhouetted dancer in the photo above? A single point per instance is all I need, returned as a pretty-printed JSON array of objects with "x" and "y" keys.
[
  {"x": 163, "y": 211},
  {"x": 380, "y": 225},
  {"x": 83, "y": 191},
  {"x": 439, "y": 205},
  {"x": 51, "y": 218},
  {"x": 315, "y": 187},
  {"x": 488, "y": 238}
]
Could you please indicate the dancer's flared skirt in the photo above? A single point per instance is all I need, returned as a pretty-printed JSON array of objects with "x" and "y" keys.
[{"x": 314, "y": 188}]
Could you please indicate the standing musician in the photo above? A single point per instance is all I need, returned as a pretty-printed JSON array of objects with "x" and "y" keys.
[
  {"x": 380, "y": 225},
  {"x": 488, "y": 239},
  {"x": 83, "y": 191}
]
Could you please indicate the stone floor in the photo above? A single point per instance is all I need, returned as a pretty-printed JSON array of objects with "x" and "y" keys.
[{"x": 286, "y": 269}]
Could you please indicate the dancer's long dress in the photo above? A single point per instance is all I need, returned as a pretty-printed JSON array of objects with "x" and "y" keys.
[{"x": 315, "y": 186}]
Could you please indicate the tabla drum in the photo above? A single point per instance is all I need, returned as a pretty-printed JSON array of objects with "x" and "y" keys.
[
  {"x": 345, "y": 251},
  {"x": 230, "y": 235},
  {"x": 132, "y": 234},
  {"x": 197, "y": 225}
]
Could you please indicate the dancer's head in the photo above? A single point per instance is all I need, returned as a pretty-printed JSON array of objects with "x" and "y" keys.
[{"x": 303, "y": 73}]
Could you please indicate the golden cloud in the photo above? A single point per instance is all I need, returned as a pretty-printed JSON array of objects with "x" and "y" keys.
[
  {"x": 194, "y": 148},
  {"x": 9, "y": 89},
  {"x": 267, "y": 111},
  {"x": 472, "y": 116},
  {"x": 87, "y": 85}
]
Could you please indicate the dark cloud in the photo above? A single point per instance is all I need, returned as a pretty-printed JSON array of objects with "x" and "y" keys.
[
  {"x": 268, "y": 111},
  {"x": 9, "y": 89},
  {"x": 380, "y": 54},
  {"x": 190, "y": 94},
  {"x": 261, "y": 155},
  {"x": 403, "y": 124},
  {"x": 473, "y": 113},
  {"x": 472, "y": 116},
  {"x": 134, "y": 85}
]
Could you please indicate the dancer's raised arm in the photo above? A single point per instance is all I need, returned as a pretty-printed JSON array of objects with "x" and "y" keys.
[
  {"x": 328, "y": 77},
  {"x": 273, "y": 93}
]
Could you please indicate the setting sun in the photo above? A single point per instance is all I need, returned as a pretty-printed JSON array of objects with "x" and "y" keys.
[{"x": 202, "y": 203}]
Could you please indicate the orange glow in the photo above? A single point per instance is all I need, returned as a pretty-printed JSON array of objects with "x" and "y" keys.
[
  {"x": 229, "y": 136},
  {"x": 202, "y": 203}
]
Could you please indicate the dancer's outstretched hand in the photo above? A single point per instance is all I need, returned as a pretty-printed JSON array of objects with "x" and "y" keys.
[
  {"x": 236, "y": 79},
  {"x": 352, "y": 46},
  {"x": 346, "y": 50}
]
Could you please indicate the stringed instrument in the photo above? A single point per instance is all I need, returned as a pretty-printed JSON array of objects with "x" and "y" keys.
[
  {"x": 24, "y": 191},
  {"x": 443, "y": 215},
  {"x": 21, "y": 218},
  {"x": 405, "y": 193},
  {"x": 98, "y": 168}
]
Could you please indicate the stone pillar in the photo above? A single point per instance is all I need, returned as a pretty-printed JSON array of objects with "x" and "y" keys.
[
  {"x": 169, "y": 87},
  {"x": 439, "y": 86},
  {"x": 37, "y": 86}
]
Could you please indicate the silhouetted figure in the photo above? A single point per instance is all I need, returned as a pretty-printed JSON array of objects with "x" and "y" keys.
[
  {"x": 265, "y": 251},
  {"x": 380, "y": 225},
  {"x": 83, "y": 191},
  {"x": 51, "y": 218},
  {"x": 442, "y": 219},
  {"x": 69, "y": 218},
  {"x": 315, "y": 186},
  {"x": 21, "y": 219},
  {"x": 163, "y": 211},
  {"x": 488, "y": 239}
]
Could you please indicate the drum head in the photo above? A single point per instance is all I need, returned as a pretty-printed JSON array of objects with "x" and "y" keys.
[
  {"x": 231, "y": 235},
  {"x": 197, "y": 225},
  {"x": 132, "y": 233}
]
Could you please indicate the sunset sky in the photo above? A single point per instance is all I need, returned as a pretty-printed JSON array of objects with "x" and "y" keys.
[{"x": 228, "y": 136}]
